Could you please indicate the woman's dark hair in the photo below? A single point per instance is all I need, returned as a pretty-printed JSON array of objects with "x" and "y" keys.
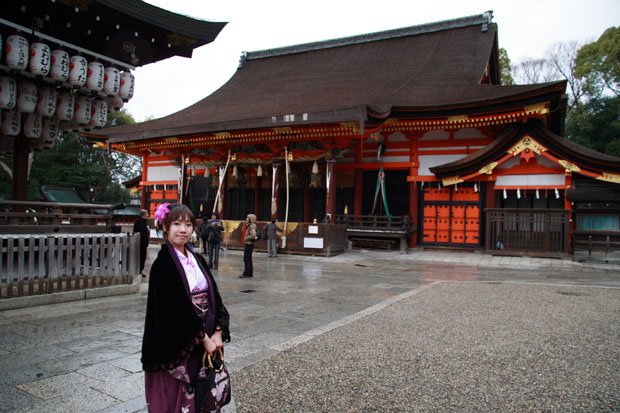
[{"x": 177, "y": 212}]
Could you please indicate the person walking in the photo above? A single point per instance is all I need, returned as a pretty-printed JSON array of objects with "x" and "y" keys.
[
  {"x": 141, "y": 226},
  {"x": 185, "y": 317},
  {"x": 216, "y": 227},
  {"x": 204, "y": 234},
  {"x": 271, "y": 230},
  {"x": 248, "y": 237}
]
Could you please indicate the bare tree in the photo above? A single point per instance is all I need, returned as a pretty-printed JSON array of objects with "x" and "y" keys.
[
  {"x": 558, "y": 64},
  {"x": 563, "y": 56}
]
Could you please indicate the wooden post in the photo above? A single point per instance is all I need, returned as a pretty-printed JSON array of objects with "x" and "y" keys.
[{"x": 20, "y": 168}]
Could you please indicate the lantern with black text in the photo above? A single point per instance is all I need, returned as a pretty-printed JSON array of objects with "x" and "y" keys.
[
  {"x": 127, "y": 85},
  {"x": 8, "y": 92},
  {"x": 59, "y": 65},
  {"x": 17, "y": 52},
  {"x": 26, "y": 97},
  {"x": 78, "y": 67},
  {"x": 33, "y": 125},
  {"x": 64, "y": 106},
  {"x": 40, "y": 58},
  {"x": 98, "y": 114},
  {"x": 46, "y": 104},
  {"x": 11, "y": 122},
  {"x": 111, "y": 81},
  {"x": 94, "y": 77},
  {"x": 81, "y": 112}
]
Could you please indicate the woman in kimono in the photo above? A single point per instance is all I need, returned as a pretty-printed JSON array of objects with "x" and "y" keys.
[{"x": 185, "y": 315}]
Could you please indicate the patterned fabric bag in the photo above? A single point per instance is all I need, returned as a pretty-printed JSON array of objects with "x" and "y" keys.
[{"x": 212, "y": 384}]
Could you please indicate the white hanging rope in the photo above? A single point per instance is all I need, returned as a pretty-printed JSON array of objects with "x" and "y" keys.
[{"x": 218, "y": 197}]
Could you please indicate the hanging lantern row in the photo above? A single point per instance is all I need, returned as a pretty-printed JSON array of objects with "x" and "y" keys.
[
  {"x": 73, "y": 111},
  {"x": 58, "y": 66}
]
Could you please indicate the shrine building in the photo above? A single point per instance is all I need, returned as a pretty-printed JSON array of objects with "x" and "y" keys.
[{"x": 411, "y": 124}]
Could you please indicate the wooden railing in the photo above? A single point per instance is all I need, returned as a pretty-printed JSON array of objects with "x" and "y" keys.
[
  {"x": 596, "y": 245},
  {"x": 41, "y": 264},
  {"x": 29, "y": 217},
  {"x": 529, "y": 231},
  {"x": 377, "y": 231}
]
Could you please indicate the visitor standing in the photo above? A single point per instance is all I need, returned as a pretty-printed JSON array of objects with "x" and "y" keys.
[
  {"x": 271, "y": 230},
  {"x": 216, "y": 228},
  {"x": 248, "y": 237},
  {"x": 204, "y": 234},
  {"x": 185, "y": 316},
  {"x": 141, "y": 226}
]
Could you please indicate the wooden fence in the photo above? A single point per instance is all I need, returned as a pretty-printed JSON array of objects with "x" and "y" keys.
[
  {"x": 29, "y": 217},
  {"x": 372, "y": 231},
  {"x": 531, "y": 231},
  {"x": 46, "y": 263}
]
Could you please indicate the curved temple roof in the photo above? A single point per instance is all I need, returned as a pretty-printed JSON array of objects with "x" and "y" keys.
[
  {"x": 420, "y": 68},
  {"x": 571, "y": 156},
  {"x": 129, "y": 31}
]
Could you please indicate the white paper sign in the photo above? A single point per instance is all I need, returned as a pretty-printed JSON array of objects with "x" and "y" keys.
[
  {"x": 313, "y": 243},
  {"x": 313, "y": 229}
]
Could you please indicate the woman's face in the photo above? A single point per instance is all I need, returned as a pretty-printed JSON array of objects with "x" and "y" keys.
[{"x": 180, "y": 232}]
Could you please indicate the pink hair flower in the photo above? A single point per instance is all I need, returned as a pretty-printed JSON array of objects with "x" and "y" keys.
[{"x": 162, "y": 211}]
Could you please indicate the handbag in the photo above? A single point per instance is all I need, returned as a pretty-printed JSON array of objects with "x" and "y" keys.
[{"x": 212, "y": 384}]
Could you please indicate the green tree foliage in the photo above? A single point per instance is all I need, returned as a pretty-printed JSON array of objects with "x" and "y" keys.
[
  {"x": 599, "y": 64},
  {"x": 74, "y": 163},
  {"x": 505, "y": 70},
  {"x": 596, "y": 125}
]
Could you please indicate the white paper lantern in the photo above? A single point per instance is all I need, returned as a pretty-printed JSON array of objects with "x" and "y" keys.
[
  {"x": 94, "y": 79},
  {"x": 8, "y": 93},
  {"x": 98, "y": 114},
  {"x": 33, "y": 125},
  {"x": 17, "y": 52},
  {"x": 40, "y": 58},
  {"x": 115, "y": 102},
  {"x": 59, "y": 65},
  {"x": 51, "y": 129},
  {"x": 127, "y": 85},
  {"x": 26, "y": 97},
  {"x": 11, "y": 122},
  {"x": 46, "y": 106},
  {"x": 64, "y": 106},
  {"x": 111, "y": 81},
  {"x": 78, "y": 70},
  {"x": 81, "y": 112}
]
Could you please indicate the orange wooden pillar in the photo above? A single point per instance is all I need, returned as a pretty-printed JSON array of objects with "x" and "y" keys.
[
  {"x": 144, "y": 179},
  {"x": 413, "y": 211}
]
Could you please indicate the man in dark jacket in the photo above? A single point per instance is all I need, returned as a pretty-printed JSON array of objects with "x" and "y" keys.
[
  {"x": 141, "y": 226},
  {"x": 216, "y": 227}
]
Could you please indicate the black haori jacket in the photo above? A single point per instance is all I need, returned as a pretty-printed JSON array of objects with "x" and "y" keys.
[{"x": 172, "y": 327}]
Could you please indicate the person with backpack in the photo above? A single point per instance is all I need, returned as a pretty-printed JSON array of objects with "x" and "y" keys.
[
  {"x": 216, "y": 227},
  {"x": 204, "y": 234}
]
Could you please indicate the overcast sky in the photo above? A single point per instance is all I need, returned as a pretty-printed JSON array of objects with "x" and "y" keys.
[{"x": 526, "y": 29}]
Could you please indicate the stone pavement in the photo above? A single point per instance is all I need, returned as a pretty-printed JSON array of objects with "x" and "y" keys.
[{"x": 84, "y": 356}]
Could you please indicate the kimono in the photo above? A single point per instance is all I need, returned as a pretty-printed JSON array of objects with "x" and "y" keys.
[{"x": 173, "y": 329}]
